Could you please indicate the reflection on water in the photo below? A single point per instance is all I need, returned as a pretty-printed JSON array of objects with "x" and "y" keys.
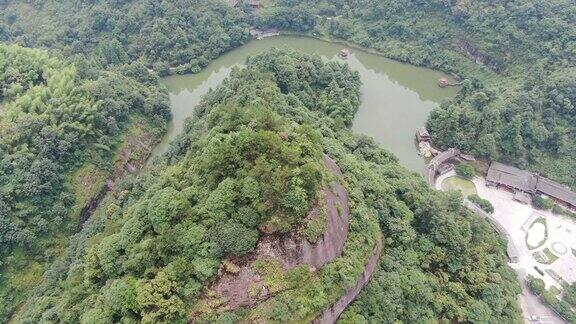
[{"x": 396, "y": 97}]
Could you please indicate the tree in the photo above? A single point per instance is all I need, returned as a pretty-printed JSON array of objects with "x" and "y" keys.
[
  {"x": 465, "y": 170},
  {"x": 234, "y": 238},
  {"x": 537, "y": 285},
  {"x": 166, "y": 206},
  {"x": 542, "y": 202},
  {"x": 158, "y": 301}
]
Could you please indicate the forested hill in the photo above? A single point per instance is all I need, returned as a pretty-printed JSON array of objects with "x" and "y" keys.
[
  {"x": 85, "y": 111},
  {"x": 248, "y": 160},
  {"x": 519, "y": 103},
  {"x": 53, "y": 123},
  {"x": 182, "y": 34}
]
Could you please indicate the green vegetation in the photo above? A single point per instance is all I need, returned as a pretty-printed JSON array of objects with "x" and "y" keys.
[
  {"x": 314, "y": 228},
  {"x": 183, "y": 35},
  {"x": 545, "y": 256},
  {"x": 542, "y": 221},
  {"x": 542, "y": 202},
  {"x": 515, "y": 105},
  {"x": 563, "y": 306},
  {"x": 54, "y": 120},
  {"x": 558, "y": 210},
  {"x": 465, "y": 170},
  {"x": 241, "y": 167},
  {"x": 485, "y": 204},
  {"x": 537, "y": 285},
  {"x": 550, "y": 257},
  {"x": 71, "y": 119},
  {"x": 570, "y": 294},
  {"x": 250, "y": 160}
]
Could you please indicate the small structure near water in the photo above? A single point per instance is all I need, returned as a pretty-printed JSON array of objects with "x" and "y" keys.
[
  {"x": 444, "y": 82},
  {"x": 422, "y": 135},
  {"x": 344, "y": 52},
  {"x": 263, "y": 33},
  {"x": 424, "y": 146}
]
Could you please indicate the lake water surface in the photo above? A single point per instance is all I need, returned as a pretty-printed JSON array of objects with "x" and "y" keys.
[{"x": 396, "y": 98}]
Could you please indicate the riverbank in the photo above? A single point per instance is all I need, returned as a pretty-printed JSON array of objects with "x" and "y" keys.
[{"x": 466, "y": 68}]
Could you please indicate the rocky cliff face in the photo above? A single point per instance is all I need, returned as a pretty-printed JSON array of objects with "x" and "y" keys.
[
  {"x": 474, "y": 54},
  {"x": 331, "y": 314},
  {"x": 237, "y": 282}
]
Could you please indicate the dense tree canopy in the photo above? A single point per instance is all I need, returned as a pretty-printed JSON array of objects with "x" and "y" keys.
[
  {"x": 52, "y": 121},
  {"x": 183, "y": 34},
  {"x": 250, "y": 160}
]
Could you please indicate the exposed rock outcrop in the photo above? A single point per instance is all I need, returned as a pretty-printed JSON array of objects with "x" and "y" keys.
[
  {"x": 474, "y": 54},
  {"x": 331, "y": 314},
  {"x": 131, "y": 158},
  {"x": 244, "y": 287}
]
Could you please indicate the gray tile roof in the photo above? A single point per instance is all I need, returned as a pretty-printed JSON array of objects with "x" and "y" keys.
[
  {"x": 512, "y": 177},
  {"x": 556, "y": 190}
]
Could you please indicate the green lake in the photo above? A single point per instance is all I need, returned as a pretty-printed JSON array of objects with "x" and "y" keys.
[
  {"x": 396, "y": 98},
  {"x": 456, "y": 183}
]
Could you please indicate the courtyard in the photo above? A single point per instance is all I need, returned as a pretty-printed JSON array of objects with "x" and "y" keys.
[{"x": 545, "y": 242}]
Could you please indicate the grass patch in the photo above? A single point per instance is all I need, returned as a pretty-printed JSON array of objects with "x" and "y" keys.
[
  {"x": 550, "y": 256},
  {"x": 545, "y": 256},
  {"x": 86, "y": 182},
  {"x": 272, "y": 273},
  {"x": 315, "y": 228},
  {"x": 554, "y": 291},
  {"x": 276, "y": 278},
  {"x": 539, "y": 220}
]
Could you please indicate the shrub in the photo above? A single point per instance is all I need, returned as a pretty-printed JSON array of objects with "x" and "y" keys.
[
  {"x": 484, "y": 204},
  {"x": 536, "y": 285},
  {"x": 556, "y": 209},
  {"x": 465, "y": 170},
  {"x": 234, "y": 238},
  {"x": 542, "y": 202},
  {"x": 314, "y": 229}
]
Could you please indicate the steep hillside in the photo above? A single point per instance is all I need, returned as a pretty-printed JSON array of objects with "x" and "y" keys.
[
  {"x": 60, "y": 134},
  {"x": 250, "y": 165}
]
